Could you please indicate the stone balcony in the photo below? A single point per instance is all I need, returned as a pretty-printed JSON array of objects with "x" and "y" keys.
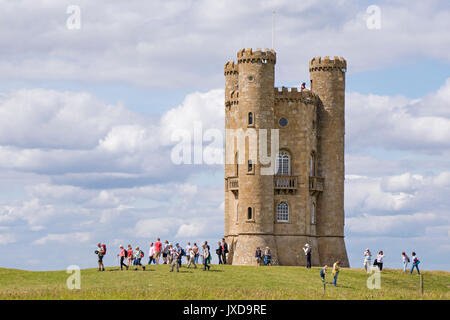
[
  {"x": 233, "y": 184},
  {"x": 285, "y": 183},
  {"x": 315, "y": 184}
]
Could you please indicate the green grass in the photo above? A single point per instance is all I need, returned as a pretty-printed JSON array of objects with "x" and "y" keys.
[{"x": 222, "y": 282}]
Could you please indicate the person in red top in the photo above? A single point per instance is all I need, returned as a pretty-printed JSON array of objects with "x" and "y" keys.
[
  {"x": 158, "y": 246},
  {"x": 130, "y": 255},
  {"x": 122, "y": 256}
]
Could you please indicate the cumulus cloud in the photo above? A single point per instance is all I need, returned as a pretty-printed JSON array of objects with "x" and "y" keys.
[
  {"x": 398, "y": 123},
  {"x": 64, "y": 238},
  {"x": 196, "y": 35}
]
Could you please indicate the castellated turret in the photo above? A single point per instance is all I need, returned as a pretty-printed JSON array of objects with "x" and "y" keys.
[{"x": 301, "y": 200}]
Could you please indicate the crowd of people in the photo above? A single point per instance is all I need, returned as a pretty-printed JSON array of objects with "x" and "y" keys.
[{"x": 173, "y": 255}]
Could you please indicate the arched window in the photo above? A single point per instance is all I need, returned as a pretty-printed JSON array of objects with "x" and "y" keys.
[
  {"x": 283, "y": 164},
  {"x": 237, "y": 213},
  {"x": 283, "y": 212},
  {"x": 250, "y": 118},
  {"x": 250, "y": 166},
  {"x": 313, "y": 212},
  {"x": 249, "y": 213}
]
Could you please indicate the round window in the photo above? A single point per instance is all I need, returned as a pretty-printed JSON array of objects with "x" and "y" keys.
[
  {"x": 283, "y": 122},
  {"x": 250, "y": 78}
]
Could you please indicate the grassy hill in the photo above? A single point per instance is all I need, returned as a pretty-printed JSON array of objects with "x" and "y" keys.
[{"x": 222, "y": 282}]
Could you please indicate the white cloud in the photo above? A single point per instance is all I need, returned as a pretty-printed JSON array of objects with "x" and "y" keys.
[
  {"x": 184, "y": 39},
  {"x": 67, "y": 238},
  {"x": 397, "y": 123}
]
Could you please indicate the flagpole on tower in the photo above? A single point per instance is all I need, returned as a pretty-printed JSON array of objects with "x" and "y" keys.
[{"x": 273, "y": 30}]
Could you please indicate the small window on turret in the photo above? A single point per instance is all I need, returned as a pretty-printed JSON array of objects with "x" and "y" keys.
[
  {"x": 251, "y": 78},
  {"x": 249, "y": 213},
  {"x": 250, "y": 118}
]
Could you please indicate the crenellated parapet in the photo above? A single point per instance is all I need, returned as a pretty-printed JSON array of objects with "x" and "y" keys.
[
  {"x": 230, "y": 68},
  {"x": 257, "y": 56},
  {"x": 327, "y": 64},
  {"x": 294, "y": 95}
]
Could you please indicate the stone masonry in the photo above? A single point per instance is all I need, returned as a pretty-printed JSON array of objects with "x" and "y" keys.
[{"x": 303, "y": 201}]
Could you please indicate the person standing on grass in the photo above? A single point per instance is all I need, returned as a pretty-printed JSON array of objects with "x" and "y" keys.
[
  {"x": 405, "y": 260},
  {"x": 196, "y": 251},
  {"x": 307, "y": 250},
  {"x": 267, "y": 257},
  {"x": 122, "y": 255},
  {"x": 335, "y": 272},
  {"x": 379, "y": 260},
  {"x": 187, "y": 250},
  {"x": 151, "y": 254},
  {"x": 174, "y": 258},
  {"x": 179, "y": 250},
  {"x": 139, "y": 255},
  {"x": 258, "y": 256},
  {"x": 224, "y": 251},
  {"x": 415, "y": 263},
  {"x": 169, "y": 256},
  {"x": 206, "y": 256},
  {"x": 165, "y": 253},
  {"x": 158, "y": 247},
  {"x": 191, "y": 258},
  {"x": 130, "y": 255},
  {"x": 367, "y": 259},
  {"x": 219, "y": 252},
  {"x": 323, "y": 272},
  {"x": 101, "y": 251}
]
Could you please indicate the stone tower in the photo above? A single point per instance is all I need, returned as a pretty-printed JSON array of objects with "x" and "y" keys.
[{"x": 301, "y": 201}]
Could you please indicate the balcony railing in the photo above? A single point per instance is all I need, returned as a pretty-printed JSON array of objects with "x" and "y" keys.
[
  {"x": 233, "y": 184},
  {"x": 285, "y": 182},
  {"x": 315, "y": 184}
]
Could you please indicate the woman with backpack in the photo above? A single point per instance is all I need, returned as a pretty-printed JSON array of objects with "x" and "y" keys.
[
  {"x": 219, "y": 252},
  {"x": 415, "y": 263},
  {"x": 405, "y": 260},
  {"x": 122, "y": 255},
  {"x": 139, "y": 254}
]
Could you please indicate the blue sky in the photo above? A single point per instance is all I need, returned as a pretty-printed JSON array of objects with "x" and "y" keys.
[{"x": 86, "y": 117}]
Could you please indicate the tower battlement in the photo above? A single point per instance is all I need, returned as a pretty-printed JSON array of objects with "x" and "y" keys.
[
  {"x": 230, "y": 68},
  {"x": 293, "y": 94},
  {"x": 326, "y": 64},
  {"x": 258, "y": 56}
]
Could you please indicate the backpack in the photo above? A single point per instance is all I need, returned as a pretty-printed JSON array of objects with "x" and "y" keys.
[
  {"x": 183, "y": 253},
  {"x": 104, "y": 248},
  {"x": 126, "y": 253},
  {"x": 142, "y": 253}
]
